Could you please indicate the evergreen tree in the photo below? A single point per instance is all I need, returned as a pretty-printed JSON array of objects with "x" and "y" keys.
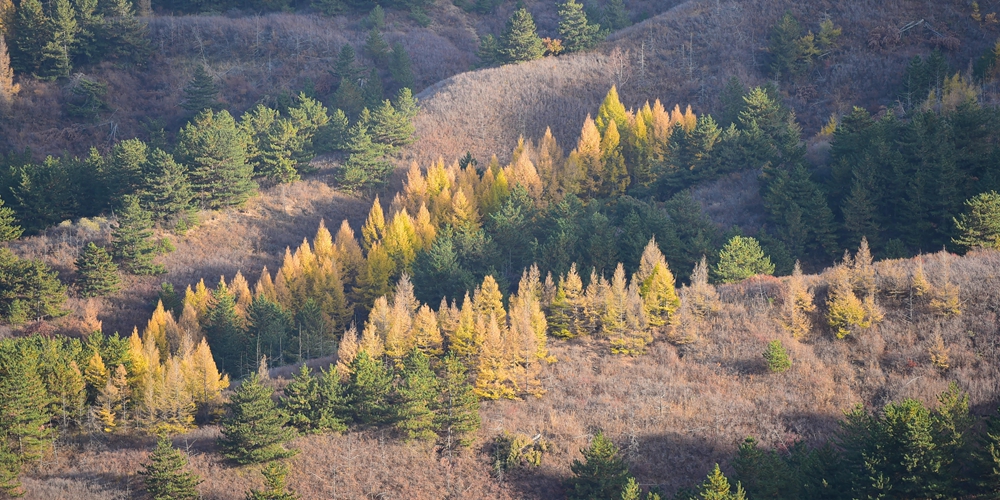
[
  {"x": 577, "y": 34},
  {"x": 417, "y": 392},
  {"x": 785, "y": 47},
  {"x": 488, "y": 51},
  {"x": 98, "y": 274},
  {"x": 214, "y": 150},
  {"x": 777, "y": 357},
  {"x": 740, "y": 259},
  {"x": 299, "y": 396},
  {"x": 400, "y": 67},
  {"x": 253, "y": 430},
  {"x": 24, "y": 430},
  {"x": 130, "y": 241},
  {"x": 224, "y": 334},
  {"x": 457, "y": 408},
  {"x": 520, "y": 41},
  {"x": 268, "y": 325},
  {"x": 330, "y": 408},
  {"x": 372, "y": 92},
  {"x": 391, "y": 127},
  {"x": 716, "y": 487},
  {"x": 201, "y": 92},
  {"x": 274, "y": 484},
  {"x": 32, "y": 34},
  {"x": 55, "y": 61},
  {"x": 979, "y": 226},
  {"x": 8, "y": 89},
  {"x": 369, "y": 390},
  {"x": 366, "y": 167},
  {"x": 9, "y": 230},
  {"x": 29, "y": 289},
  {"x": 602, "y": 474},
  {"x": 166, "y": 190},
  {"x": 164, "y": 475},
  {"x": 376, "y": 48},
  {"x": 615, "y": 15},
  {"x": 437, "y": 272}
]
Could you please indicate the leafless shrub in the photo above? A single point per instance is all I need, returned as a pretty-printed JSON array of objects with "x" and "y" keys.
[{"x": 883, "y": 37}]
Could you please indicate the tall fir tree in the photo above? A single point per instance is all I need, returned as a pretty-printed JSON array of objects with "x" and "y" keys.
[
  {"x": 166, "y": 190},
  {"x": 224, "y": 333},
  {"x": 417, "y": 392},
  {"x": 615, "y": 15},
  {"x": 32, "y": 34},
  {"x": 29, "y": 289},
  {"x": 214, "y": 151},
  {"x": 274, "y": 484},
  {"x": 131, "y": 242},
  {"x": 520, "y": 41},
  {"x": 24, "y": 430},
  {"x": 369, "y": 390},
  {"x": 98, "y": 274},
  {"x": 201, "y": 92},
  {"x": 366, "y": 167},
  {"x": 602, "y": 474},
  {"x": 577, "y": 34},
  {"x": 164, "y": 474},
  {"x": 400, "y": 67},
  {"x": 55, "y": 61},
  {"x": 254, "y": 429},
  {"x": 9, "y": 229},
  {"x": 457, "y": 408}
]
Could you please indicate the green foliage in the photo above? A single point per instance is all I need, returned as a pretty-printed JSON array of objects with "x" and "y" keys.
[
  {"x": 214, "y": 150},
  {"x": 400, "y": 67},
  {"x": 33, "y": 33},
  {"x": 777, "y": 357},
  {"x": 369, "y": 391},
  {"x": 88, "y": 99},
  {"x": 201, "y": 92},
  {"x": 164, "y": 474},
  {"x": 740, "y": 259},
  {"x": 376, "y": 47},
  {"x": 517, "y": 451},
  {"x": 375, "y": 18},
  {"x": 615, "y": 16},
  {"x": 488, "y": 51},
  {"x": 24, "y": 430},
  {"x": 253, "y": 430},
  {"x": 315, "y": 404},
  {"x": 274, "y": 484},
  {"x": 9, "y": 230},
  {"x": 268, "y": 326},
  {"x": 576, "y": 33},
  {"x": 98, "y": 274},
  {"x": 716, "y": 487},
  {"x": 225, "y": 335},
  {"x": 602, "y": 474},
  {"x": 457, "y": 408},
  {"x": 166, "y": 190},
  {"x": 366, "y": 167},
  {"x": 979, "y": 226},
  {"x": 417, "y": 390},
  {"x": 437, "y": 271},
  {"x": 520, "y": 41},
  {"x": 29, "y": 289},
  {"x": 131, "y": 242}
]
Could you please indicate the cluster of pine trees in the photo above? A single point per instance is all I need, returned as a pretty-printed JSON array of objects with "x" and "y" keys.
[
  {"x": 156, "y": 383},
  {"x": 50, "y": 39}
]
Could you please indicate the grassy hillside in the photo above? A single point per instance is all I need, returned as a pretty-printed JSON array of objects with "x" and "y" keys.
[
  {"x": 685, "y": 56},
  {"x": 674, "y": 411}
]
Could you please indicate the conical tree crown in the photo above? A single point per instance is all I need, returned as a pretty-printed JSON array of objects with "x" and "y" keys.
[
  {"x": 520, "y": 41},
  {"x": 98, "y": 274},
  {"x": 201, "y": 92},
  {"x": 164, "y": 475},
  {"x": 254, "y": 429}
]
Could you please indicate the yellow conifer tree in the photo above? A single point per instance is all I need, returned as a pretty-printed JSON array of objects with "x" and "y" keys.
[
  {"x": 465, "y": 340},
  {"x": 425, "y": 229},
  {"x": 112, "y": 399},
  {"x": 349, "y": 253},
  {"x": 522, "y": 172},
  {"x": 203, "y": 382},
  {"x": 426, "y": 332},
  {"x": 323, "y": 243},
  {"x": 494, "y": 378},
  {"x": 586, "y": 159},
  {"x": 846, "y": 313},
  {"x": 347, "y": 351},
  {"x": 464, "y": 216},
  {"x": 95, "y": 373},
  {"x": 656, "y": 285},
  {"x": 415, "y": 187},
  {"x": 487, "y": 300},
  {"x": 374, "y": 228},
  {"x": 265, "y": 286},
  {"x": 401, "y": 242},
  {"x": 797, "y": 305}
]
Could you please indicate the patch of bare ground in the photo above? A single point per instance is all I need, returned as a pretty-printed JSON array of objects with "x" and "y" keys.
[{"x": 686, "y": 55}]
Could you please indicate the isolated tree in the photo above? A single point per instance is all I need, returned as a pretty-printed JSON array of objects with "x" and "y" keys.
[
  {"x": 979, "y": 226},
  {"x": 254, "y": 429},
  {"x": 457, "y": 408},
  {"x": 520, "y": 41},
  {"x": 740, "y": 259},
  {"x": 201, "y": 92},
  {"x": 164, "y": 474},
  {"x": 274, "y": 484},
  {"x": 577, "y": 34},
  {"x": 98, "y": 273},
  {"x": 602, "y": 474},
  {"x": 777, "y": 357},
  {"x": 784, "y": 46},
  {"x": 131, "y": 242},
  {"x": 9, "y": 230},
  {"x": 214, "y": 150}
]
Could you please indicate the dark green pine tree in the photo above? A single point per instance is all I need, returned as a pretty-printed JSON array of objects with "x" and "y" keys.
[
  {"x": 268, "y": 325},
  {"x": 31, "y": 35},
  {"x": 164, "y": 475},
  {"x": 315, "y": 404},
  {"x": 406, "y": 104},
  {"x": 457, "y": 408},
  {"x": 312, "y": 333},
  {"x": 201, "y": 92},
  {"x": 131, "y": 245},
  {"x": 348, "y": 97},
  {"x": 225, "y": 336},
  {"x": 376, "y": 47},
  {"x": 253, "y": 430},
  {"x": 214, "y": 151},
  {"x": 731, "y": 101},
  {"x": 784, "y": 47},
  {"x": 400, "y": 67},
  {"x": 366, "y": 167},
  {"x": 55, "y": 61},
  {"x": 417, "y": 392},
  {"x": 166, "y": 190},
  {"x": 369, "y": 391},
  {"x": 987, "y": 457},
  {"x": 9, "y": 230},
  {"x": 488, "y": 51},
  {"x": 274, "y": 484},
  {"x": 616, "y": 16},
  {"x": 122, "y": 170},
  {"x": 602, "y": 474},
  {"x": 372, "y": 90},
  {"x": 29, "y": 289},
  {"x": 98, "y": 274},
  {"x": 520, "y": 41},
  {"x": 127, "y": 36},
  {"x": 24, "y": 417},
  {"x": 344, "y": 67},
  {"x": 437, "y": 272},
  {"x": 577, "y": 34}
]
